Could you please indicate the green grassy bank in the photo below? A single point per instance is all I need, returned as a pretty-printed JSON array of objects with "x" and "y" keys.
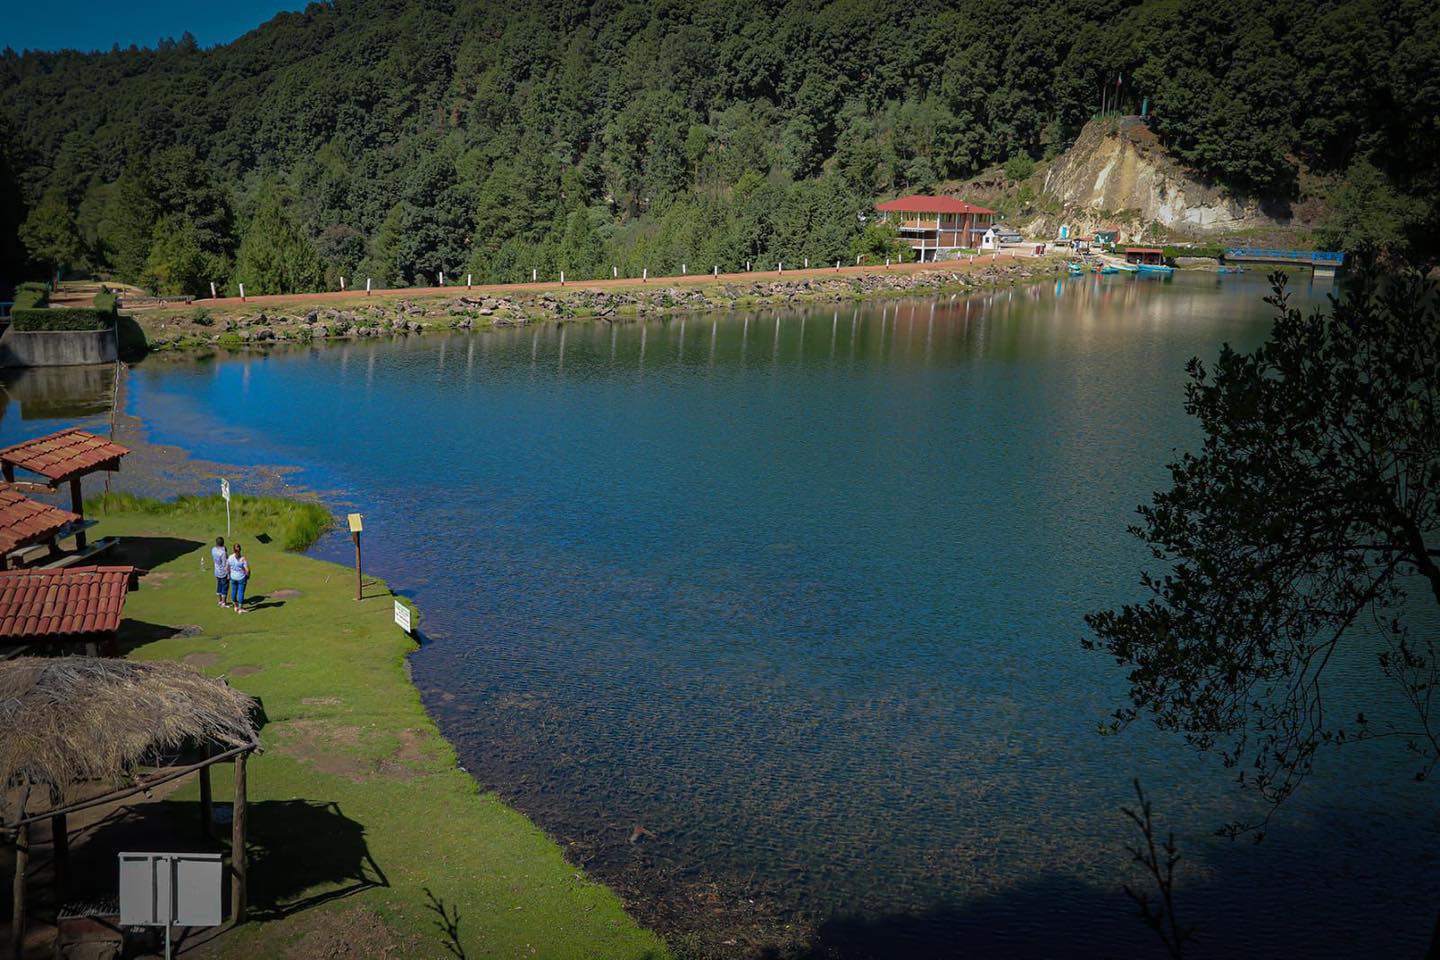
[{"x": 367, "y": 840}]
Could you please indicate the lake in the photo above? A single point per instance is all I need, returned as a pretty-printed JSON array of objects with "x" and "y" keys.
[{"x": 773, "y": 619}]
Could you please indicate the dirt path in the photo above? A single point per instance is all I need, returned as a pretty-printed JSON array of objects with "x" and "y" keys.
[{"x": 692, "y": 279}]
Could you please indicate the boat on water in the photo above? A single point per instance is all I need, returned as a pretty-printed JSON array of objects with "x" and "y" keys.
[
  {"x": 1076, "y": 270},
  {"x": 1125, "y": 267},
  {"x": 1230, "y": 270},
  {"x": 1107, "y": 268},
  {"x": 1156, "y": 269}
]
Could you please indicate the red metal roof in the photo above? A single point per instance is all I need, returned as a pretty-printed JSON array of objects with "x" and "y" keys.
[
  {"x": 60, "y": 456},
  {"x": 921, "y": 204},
  {"x": 24, "y": 521},
  {"x": 1144, "y": 250},
  {"x": 77, "y": 601}
]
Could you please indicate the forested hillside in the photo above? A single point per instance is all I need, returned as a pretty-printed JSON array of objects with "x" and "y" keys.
[{"x": 397, "y": 139}]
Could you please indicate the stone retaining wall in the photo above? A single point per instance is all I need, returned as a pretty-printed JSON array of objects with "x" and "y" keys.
[{"x": 56, "y": 348}]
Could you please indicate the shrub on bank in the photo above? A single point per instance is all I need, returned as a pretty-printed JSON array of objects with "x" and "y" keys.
[
  {"x": 294, "y": 524},
  {"x": 31, "y": 320},
  {"x": 31, "y": 295},
  {"x": 105, "y": 301}
]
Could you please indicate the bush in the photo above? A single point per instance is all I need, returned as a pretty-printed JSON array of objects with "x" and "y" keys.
[
  {"x": 1019, "y": 167},
  {"x": 201, "y": 318},
  {"x": 296, "y": 524},
  {"x": 31, "y": 295},
  {"x": 82, "y": 318},
  {"x": 106, "y": 302}
]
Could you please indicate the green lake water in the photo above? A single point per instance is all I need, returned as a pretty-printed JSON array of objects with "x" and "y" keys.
[{"x": 800, "y": 593}]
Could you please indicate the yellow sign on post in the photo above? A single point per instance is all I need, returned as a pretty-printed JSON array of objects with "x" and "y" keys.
[{"x": 357, "y": 524}]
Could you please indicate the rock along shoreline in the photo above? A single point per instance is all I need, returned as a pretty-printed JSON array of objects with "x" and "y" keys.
[{"x": 238, "y": 325}]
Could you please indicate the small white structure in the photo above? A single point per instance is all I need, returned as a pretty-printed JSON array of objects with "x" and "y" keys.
[{"x": 990, "y": 240}]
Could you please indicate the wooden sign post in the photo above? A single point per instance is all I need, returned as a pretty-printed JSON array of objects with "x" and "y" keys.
[{"x": 357, "y": 524}]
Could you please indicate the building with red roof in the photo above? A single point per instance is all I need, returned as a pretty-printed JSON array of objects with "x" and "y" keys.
[
  {"x": 934, "y": 225},
  {"x": 65, "y": 605},
  {"x": 26, "y": 523}
]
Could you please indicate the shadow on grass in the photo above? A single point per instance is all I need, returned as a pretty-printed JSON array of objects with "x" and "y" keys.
[
  {"x": 302, "y": 853},
  {"x": 262, "y": 602},
  {"x": 148, "y": 553}
]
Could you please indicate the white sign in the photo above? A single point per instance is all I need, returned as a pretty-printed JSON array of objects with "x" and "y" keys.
[
  {"x": 180, "y": 889},
  {"x": 402, "y": 616},
  {"x": 225, "y": 492}
]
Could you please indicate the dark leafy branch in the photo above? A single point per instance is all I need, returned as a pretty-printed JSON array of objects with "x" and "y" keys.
[{"x": 1302, "y": 524}]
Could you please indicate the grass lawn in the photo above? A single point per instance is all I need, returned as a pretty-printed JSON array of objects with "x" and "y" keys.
[{"x": 362, "y": 827}]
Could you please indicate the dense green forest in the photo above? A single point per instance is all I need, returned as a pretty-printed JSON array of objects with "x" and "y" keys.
[{"x": 397, "y": 139}]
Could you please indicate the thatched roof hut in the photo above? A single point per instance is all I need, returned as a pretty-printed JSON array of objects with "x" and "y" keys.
[
  {"x": 78, "y": 723},
  {"x": 77, "y": 732}
]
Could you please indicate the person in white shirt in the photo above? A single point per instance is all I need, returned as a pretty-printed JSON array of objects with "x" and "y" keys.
[
  {"x": 222, "y": 570},
  {"x": 239, "y": 570}
]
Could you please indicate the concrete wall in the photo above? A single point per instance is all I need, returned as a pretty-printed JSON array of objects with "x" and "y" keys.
[{"x": 56, "y": 348}]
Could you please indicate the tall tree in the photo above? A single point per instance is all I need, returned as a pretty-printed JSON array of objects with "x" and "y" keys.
[
  {"x": 275, "y": 256},
  {"x": 50, "y": 234}
]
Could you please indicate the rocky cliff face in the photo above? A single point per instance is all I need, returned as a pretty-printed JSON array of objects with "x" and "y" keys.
[{"x": 1118, "y": 175}]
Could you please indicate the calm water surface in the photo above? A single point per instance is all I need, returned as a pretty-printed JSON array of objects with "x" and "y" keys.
[{"x": 801, "y": 595}]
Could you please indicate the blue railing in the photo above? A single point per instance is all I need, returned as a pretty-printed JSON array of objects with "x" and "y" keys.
[{"x": 1335, "y": 257}]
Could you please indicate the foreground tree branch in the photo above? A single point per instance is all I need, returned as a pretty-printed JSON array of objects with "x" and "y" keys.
[{"x": 1312, "y": 504}]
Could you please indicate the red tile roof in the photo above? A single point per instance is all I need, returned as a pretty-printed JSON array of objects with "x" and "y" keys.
[
  {"x": 77, "y": 601},
  {"x": 919, "y": 204},
  {"x": 60, "y": 456},
  {"x": 24, "y": 521}
]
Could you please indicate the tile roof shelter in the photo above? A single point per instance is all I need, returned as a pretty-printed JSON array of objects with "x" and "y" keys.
[
  {"x": 25, "y": 522},
  {"x": 1152, "y": 255},
  {"x": 60, "y": 457},
  {"x": 69, "y": 605}
]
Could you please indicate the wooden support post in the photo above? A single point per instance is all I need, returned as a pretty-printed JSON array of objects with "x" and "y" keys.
[
  {"x": 22, "y": 866},
  {"x": 356, "y": 537},
  {"x": 77, "y": 505},
  {"x": 60, "y": 845},
  {"x": 207, "y": 801},
  {"x": 239, "y": 867},
  {"x": 7, "y": 470}
]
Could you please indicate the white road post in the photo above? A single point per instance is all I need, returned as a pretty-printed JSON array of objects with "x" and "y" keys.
[
  {"x": 807, "y": 263},
  {"x": 780, "y": 266},
  {"x": 614, "y": 273},
  {"x": 212, "y": 290},
  {"x": 562, "y": 278},
  {"x": 534, "y": 274},
  {"x": 342, "y": 284},
  {"x": 442, "y": 278},
  {"x": 644, "y": 274},
  {"x": 367, "y": 286},
  {"x": 837, "y": 266},
  {"x": 242, "y": 291},
  {"x": 716, "y": 270},
  {"x": 469, "y": 279},
  {"x": 683, "y": 271}
]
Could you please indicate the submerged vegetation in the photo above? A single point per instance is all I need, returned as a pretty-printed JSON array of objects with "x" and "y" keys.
[{"x": 364, "y": 138}]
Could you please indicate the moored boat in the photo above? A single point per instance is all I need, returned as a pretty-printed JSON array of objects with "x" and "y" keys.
[{"x": 1159, "y": 269}]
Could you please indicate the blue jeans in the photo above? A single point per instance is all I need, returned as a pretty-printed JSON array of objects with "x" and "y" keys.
[
  {"x": 222, "y": 587},
  {"x": 237, "y": 589}
]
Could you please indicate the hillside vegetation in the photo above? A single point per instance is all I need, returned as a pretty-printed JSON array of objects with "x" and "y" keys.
[{"x": 398, "y": 139}]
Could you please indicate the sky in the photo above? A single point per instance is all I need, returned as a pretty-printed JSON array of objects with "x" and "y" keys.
[{"x": 99, "y": 24}]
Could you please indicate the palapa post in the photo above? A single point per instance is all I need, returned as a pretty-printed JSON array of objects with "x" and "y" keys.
[{"x": 239, "y": 859}]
